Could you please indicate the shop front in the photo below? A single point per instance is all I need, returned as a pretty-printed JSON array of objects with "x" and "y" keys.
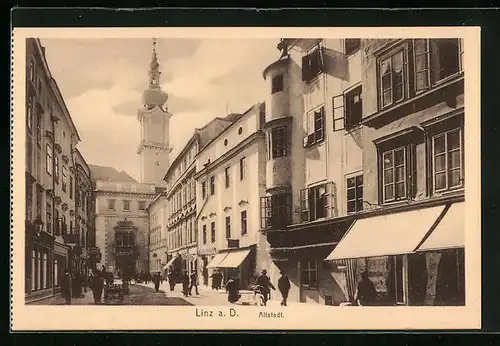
[
  {"x": 413, "y": 257},
  {"x": 61, "y": 263}
]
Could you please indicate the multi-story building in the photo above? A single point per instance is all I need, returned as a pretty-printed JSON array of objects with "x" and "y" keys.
[
  {"x": 358, "y": 117},
  {"x": 411, "y": 237},
  {"x": 122, "y": 223},
  {"x": 230, "y": 179},
  {"x": 85, "y": 214},
  {"x": 51, "y": 143},
  {"x": 157, "y": 209},
  {"x": 181, "y": 199},
  {"x": 311, "y": 153}
]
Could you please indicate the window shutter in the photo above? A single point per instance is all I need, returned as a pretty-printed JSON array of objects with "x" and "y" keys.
[
  {"x": 321, "y": 60},
  {"x": 338, "y": 112},
  {"x": 304, "y": 205},
  {"x": 329, "y": 199},
  {"x": 306, "y": 61}
]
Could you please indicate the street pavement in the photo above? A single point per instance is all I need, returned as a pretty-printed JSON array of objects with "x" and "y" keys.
[
  {"x": 144, "y": 294},
  {"x": 209, "y": 297}
]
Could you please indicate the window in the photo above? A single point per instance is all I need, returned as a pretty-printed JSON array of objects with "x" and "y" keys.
[
  {"x": 204, "y": 234},
  {"x": 338, "y": 112},
  {"x": 204, "y": 189},
  {"x": 212, "y": 232},
  {"x": 461, "y": 53},
  {"x": 392, "y": 76},
  {"x": 351, "y": 45},
  {"x": 32, "y": 71},
  {"x": 279, "y": 143},
  {"x": 56, "y": 164},
  {"x": 29, "y": 114},
  {"x": 435, "y": 60},
  {"x": 276, "y": 211},
  {"x": 126, "y": 205},
  {"x": 394, "y": 174},
  {"x": 228, "y": 227},
  {"x": 309, "y": 274},
  {"x": 277, "y": 84},
  {"x": 244, "y": 222},
  {"x": 315, "y": 126},
  {"x": 242, "y": 168},
  {"x": 111, "y": 204},
  {"x": 312, "y": 64},
  {"x": 71, "y": 187},
  {"x": 39, "y": 129},
  {"x": 48, "y": 220},
  {"x": 354, "y": 108},
  {"x": 355, "y": 194},
  {"x": 447, "y": 162},
  {"x": 48, "y": 161},
  {"x": 316, "y": 202},
  {"x": 64, "y": 179},
  {"x": 227, "y": 177},
  {"x": 142, "y": 205},
  {"x": 212, "y": 185}
]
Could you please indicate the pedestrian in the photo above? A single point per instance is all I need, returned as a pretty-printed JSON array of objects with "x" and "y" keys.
[
  {"x": 194, "y": 283},
  {"x": 66, "y": 283},
  {"x": 264, "y": 281},
  {"x": 156, "y": 281},
  {"x": 283, "y": 287},
  {"x": 232, "y": 290},
  {"x": 97, "y": 284},
  {"x": 171, "y": 280},
  {"x": 219, "y": 280},
  {"x": 366, "y": 294},
  {"x": 213, "y": 277},
  {"x": 185, "y": 284}
]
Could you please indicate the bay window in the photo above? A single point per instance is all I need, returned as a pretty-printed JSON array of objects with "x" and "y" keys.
[
  {"x": 276, "y": 211},
  {"x": 279, "y": 142}
]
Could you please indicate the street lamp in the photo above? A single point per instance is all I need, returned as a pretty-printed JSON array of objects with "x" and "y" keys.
[{"x": 38, "y": 223}]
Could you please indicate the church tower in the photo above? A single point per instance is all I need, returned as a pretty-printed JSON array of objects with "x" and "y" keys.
[{"x": 154, "y": 119}]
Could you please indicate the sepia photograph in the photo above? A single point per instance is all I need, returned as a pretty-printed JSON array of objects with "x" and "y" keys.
[{"x": 228, "y": 178}]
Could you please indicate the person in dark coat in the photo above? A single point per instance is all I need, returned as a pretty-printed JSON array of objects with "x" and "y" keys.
[
  {"x": 171, "y": 280},
  {"x": 366, "y": 293},
  {"x": 264, "y": 281},
  {"x": 157, "y": 280},
  {"x": 185, "y": 284},
  {"x": 66, "y": 283},
  {"x": 97, "y": 284},
  {"x": 194, "y": 283},
  {"x": 284, "y": 288},
  {"x": 232, "y": 289}
]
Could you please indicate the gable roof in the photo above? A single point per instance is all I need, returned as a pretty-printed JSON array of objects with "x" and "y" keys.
[{"x": 106, "y": 173}]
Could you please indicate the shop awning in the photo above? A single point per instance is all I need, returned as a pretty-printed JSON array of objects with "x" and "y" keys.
[
  {"x": 234, "y": 258},
  {"x": 450, "y": 232},
  {"x": 390, "y": 234},
  {"x": 218, "y": 258},
  {"x": 169, "y": 263}
]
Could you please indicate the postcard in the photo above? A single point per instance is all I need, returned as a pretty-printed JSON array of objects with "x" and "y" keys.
[{"x": 246, "y": 178}]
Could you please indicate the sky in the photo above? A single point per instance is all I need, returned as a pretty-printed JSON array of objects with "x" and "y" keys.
[{"x": 102, "y": 81}]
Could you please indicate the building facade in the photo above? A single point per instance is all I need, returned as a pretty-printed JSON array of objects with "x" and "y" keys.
[
  {"x": 182, "y": 235},
  {"x": 51, "y": 137},
  {"x": 230, "y": 179},
  {"x": 414, "y": 188},
  {"x": 158, "y": 254},
  {"x": 122, "y": 222},
  {"x": 358, "y": 120}
]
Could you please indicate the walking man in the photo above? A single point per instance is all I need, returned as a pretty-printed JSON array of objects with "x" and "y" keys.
[
  {"x": 283, "y": 287},
  {"x": 366, "y": 294},
  {"x": 171, "y": 280},
  {"x": 264, "y": 281},
  {"x": 194, "y": 283},
  {"x": 97, "y": 283},
  {"x": 156, "y": 281},
  {"x": 66, "y": 283}
]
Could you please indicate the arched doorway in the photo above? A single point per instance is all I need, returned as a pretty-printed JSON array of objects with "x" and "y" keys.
[{"x": 126, "y": 251}]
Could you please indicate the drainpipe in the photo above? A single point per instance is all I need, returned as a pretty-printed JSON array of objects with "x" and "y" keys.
[{"x": 77, "y": 224}]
